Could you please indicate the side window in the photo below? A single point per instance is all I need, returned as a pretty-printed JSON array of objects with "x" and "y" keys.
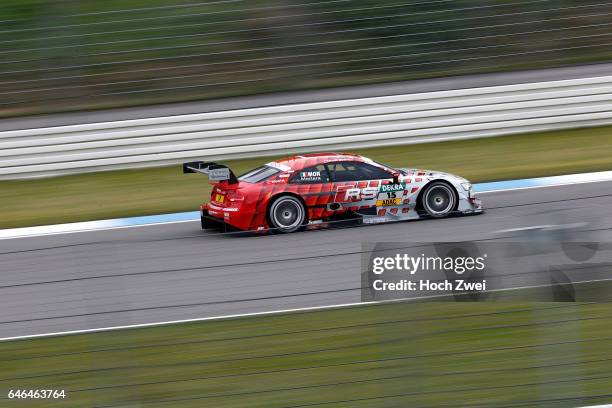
[
  {"x": 310, "y": 175},
  {"x": 356, "y": 171},
  {"x": 342, "y": 171},
  {"x": 373, "y": 172}
]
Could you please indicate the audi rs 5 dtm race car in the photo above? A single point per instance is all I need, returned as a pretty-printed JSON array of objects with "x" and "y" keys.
[{"x": 288, "y": 194}]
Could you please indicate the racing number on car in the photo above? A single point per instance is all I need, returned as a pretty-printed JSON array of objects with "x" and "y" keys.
[
  {"x": 390, "y": 195},
  {"x": 390, "y": 200}
]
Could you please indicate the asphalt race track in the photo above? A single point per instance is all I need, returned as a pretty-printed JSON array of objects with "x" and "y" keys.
[{"x": 176, "y": 271}]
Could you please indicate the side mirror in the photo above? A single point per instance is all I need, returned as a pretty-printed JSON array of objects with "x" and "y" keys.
[{"x": 396, "y": 176}]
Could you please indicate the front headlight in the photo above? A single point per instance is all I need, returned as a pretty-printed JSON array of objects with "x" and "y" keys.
[{"x": 466, "y": 186}]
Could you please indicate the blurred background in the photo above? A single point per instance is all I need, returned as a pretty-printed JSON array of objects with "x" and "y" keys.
[
  {"x": 140, "y": 85},
  {"x": 82, "y": 55},
  {"x": 94, "y": 63}
]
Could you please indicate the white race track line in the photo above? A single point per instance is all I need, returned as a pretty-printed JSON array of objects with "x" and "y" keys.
[
  {"x": 598, "y": 406},
  {"x": 88, "y": 226},
  {"x": 187, "y": 217},
  {"x": 551, "y": 181},
  {"x": 268, "y": 313}
]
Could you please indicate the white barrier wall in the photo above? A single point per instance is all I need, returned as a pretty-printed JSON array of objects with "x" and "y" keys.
[{"x": 341, "y": 124}]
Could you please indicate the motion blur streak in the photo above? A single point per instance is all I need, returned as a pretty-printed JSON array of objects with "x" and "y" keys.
[
  {"x": 100, "y": 56},
  {"x": 155, "y": 311},
  {"x": 173, "y": 272}
]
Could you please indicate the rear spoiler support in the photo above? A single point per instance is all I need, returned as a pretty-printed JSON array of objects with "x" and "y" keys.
[{"x": 214, "y": 171}]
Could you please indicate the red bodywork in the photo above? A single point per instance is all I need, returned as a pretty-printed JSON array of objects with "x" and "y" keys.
[{"x": 244, "y": 205}]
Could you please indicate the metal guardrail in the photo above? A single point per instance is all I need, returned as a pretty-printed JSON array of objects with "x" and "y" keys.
[{"x": 345, "y": 124}]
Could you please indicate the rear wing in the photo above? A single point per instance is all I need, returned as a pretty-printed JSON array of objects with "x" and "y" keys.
[{"x": 214, "y": 171}]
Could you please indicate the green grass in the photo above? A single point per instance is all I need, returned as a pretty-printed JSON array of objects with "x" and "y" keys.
[
  {"x": 430, "y": 354},
  {"x": 163, "y": 190}
]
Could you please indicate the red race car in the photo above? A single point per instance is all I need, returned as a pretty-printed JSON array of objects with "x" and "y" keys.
[{"x": 289, "y": 194}]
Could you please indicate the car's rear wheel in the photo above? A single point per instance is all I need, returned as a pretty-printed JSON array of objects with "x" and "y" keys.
[
  {"x": 287, "y": 214},
  {"x": 438, "y": 199}
]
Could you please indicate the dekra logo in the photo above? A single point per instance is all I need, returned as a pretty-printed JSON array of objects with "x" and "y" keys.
[{"x": 392, "y": 187}]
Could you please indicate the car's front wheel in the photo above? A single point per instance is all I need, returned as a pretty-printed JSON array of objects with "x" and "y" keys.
[
  {"x": 438, "y": 199},
  {"x": 287, "y": 214}
]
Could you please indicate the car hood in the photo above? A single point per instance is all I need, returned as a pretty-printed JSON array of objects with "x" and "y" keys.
[{"x": 431, "y": 174}]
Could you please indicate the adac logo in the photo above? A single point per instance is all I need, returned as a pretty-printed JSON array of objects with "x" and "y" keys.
[{"x": 385, "y": 188}]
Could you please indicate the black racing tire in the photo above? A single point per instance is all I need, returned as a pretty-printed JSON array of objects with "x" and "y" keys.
[
  {"x": 286, "y": 214},
  {"x": 439, "y": 199}
]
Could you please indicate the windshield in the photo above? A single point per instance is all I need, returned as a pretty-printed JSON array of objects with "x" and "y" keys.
[
  {"x": 387, "y": 166},
  {"x": 258, "y": 174}
]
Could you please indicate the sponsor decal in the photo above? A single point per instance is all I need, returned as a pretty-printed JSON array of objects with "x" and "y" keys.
[
  {"x": 387, "y": 202},
  {"x": 310, "y": 176},
  {"x": 219, "y": 174},
  {"x": 374, "y": 220},
  {"x": 282, "y": 167},
  {"x": 390, "y": 194},
  {"x": 385, "y": 195},
  {"x": 392, "y": 187},
  {"x": 366, "y": 193}
]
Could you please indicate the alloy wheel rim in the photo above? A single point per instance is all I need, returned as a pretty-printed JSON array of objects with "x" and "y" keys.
[
  {"x": 439, "y": 200},
  {"x": 287, "y": 214}
]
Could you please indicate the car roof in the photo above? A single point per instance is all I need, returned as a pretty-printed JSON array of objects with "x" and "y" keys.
[{"x": 312, "y": 159}]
